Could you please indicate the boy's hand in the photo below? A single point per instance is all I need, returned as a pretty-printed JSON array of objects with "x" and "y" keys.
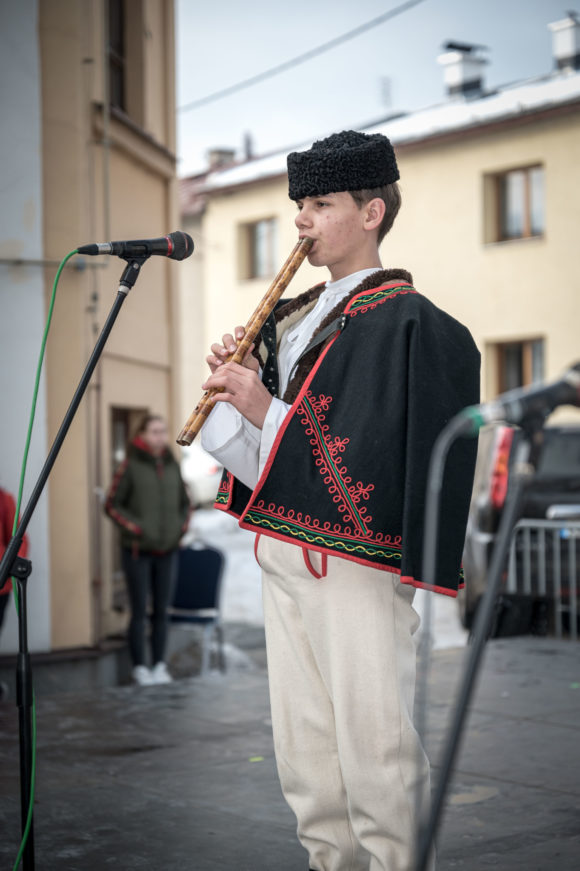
[
  {"x": 220, "y": 353},
  {"x": 241, "y": 386}
]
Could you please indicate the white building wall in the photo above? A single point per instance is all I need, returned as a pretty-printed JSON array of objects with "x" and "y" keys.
[{"x": 22, "y": 307}]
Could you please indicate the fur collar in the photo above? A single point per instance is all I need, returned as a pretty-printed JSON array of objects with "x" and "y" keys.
[{"x": 297, "y": 308}]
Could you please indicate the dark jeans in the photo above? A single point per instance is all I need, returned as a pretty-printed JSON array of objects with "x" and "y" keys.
[{"x": 143, "y": 573}]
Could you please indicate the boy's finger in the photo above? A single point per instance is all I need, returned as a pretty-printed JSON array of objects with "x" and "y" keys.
[
  {"x": 218, "y": 351},
  {"x": 250, "y": 361},
  {"x": 229, "y": 343}
]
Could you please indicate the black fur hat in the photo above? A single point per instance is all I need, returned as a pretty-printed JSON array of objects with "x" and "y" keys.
[{"x": 347, "y": 161}]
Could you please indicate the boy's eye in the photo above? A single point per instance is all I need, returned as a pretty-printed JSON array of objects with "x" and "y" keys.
[{"x": 322, "y": 203}]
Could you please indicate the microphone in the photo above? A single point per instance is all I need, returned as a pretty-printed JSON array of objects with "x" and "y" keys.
[
  {"x": 517, "y": 406},
  {"x": 176, "y": 246}
]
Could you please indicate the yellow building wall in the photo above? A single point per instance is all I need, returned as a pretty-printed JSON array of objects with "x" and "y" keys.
[
  {"x": 104, "y": 178},
  {"x": 229, "y": 300},
  {"x": 191, "y": 327},
  {"x": 520, "y": 289},
  {"x": 65, "y": 181},
  {"x": 503, "y": 290},
  {"x": 139, "y": 207}
]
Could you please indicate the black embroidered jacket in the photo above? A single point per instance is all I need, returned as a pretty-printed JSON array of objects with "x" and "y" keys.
[{"x": 347, "y": 473}]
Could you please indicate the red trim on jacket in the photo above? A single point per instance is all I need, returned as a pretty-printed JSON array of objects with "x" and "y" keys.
[
  {"x": 287, "y": 419},
  {"x": 308, "y": 563},
  {"x": 306, "y": 385},
  {"x": 140, "y": 443},
  {"x": 110, "y": 508},
  {"x": 226, "y": 506},
  {"x": 326, "y": 551}
]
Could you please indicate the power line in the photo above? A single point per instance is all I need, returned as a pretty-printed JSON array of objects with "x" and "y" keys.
[{"x": 301, "y": 58}]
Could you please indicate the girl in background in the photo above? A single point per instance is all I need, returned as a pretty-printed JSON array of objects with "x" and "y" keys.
[{"x": 149, "y": 503}]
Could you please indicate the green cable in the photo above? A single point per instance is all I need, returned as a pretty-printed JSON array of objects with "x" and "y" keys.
[
  {"x": 14, "y": 527},
  {"x": 473, "y": 414}
]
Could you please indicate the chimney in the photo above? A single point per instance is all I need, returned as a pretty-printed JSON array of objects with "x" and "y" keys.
[
  {"x": 248, "y": 145},
  {"x": 463, "y": 69},
  {"x": 219, "y": 157},
  {"x": 566, "y": 43}
]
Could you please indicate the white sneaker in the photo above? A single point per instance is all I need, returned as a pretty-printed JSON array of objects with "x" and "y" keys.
[
  {"x": 159, "y": 674},
  {"x": 142, "y": 676}
]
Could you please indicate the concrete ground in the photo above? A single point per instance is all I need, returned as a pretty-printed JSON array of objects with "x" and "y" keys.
[{"x": 183, "y": 776}]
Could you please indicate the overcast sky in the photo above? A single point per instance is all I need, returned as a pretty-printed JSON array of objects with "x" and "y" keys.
[{"x": 390, "y": 68}]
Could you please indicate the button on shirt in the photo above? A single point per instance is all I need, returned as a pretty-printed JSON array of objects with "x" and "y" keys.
[{"x": 236, "y": 443}]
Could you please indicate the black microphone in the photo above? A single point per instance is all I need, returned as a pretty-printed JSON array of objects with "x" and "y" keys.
[
  {"x": 176, "y": 246},
  {"x": 518, "y": 406}
]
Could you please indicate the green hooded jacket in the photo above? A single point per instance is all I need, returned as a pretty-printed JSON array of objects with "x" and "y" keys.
[{"x": 148, "y": 500}]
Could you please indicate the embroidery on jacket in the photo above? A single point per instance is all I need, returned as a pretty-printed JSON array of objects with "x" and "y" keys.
[
  {"x": 371, "y": 300},
  {"x": 354, "y": 536},
  {"x": 224, "y": 490},
  {"x": 296, "y": 525},
  {"x": 327, "y": 451}
]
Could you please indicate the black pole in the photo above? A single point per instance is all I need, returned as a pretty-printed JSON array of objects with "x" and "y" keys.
[
  {"x": 24, "y": 703},
  {"x": 523, "y": 470},
  {"x": 11, "y": 564}
]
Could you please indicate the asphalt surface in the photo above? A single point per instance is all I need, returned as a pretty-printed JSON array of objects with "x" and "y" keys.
[{"x": 183, "y": 776}]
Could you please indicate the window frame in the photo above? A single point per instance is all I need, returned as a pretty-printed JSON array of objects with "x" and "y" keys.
[
  {"x": 527, "y": 350},
  {"x": 499, "y": 180},
  {"x": 248, "y": 260},
  {"x": 117, "y": 56}
]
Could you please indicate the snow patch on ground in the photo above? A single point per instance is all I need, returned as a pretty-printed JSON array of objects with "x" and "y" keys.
[{"x": 242, "y": 589}]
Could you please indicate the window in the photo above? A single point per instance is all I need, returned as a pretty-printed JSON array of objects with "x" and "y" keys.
[
  {"x": 126, "y": 59},
  {"x": 520, "y": 203},
  {"x": 519, "y": 364},
  {"x": 117, "y": 54},
  {"x": 258, "y": 249}
]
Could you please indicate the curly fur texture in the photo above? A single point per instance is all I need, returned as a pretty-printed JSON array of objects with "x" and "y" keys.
[{"x": 347, "y": 161}]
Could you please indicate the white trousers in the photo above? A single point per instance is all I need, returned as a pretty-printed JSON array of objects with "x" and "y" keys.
[{"x": 341, "y": 664}]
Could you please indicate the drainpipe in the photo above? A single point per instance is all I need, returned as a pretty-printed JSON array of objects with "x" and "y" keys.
[{"x": 97, "y": 442}]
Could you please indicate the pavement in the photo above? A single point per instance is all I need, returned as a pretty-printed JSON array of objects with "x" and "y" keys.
[{"x": 183, "y": 776}]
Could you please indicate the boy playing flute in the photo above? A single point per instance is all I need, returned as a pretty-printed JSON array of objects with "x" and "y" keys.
[{"x": 326, "y": 432}]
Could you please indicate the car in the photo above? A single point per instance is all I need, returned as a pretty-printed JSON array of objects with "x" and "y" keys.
[
  {"x": 537, "y": 556},
  {"x": 201, "y": 474}
]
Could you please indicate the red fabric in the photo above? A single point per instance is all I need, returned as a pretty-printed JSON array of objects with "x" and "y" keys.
[
  {"x": 310, "y": 567},
  {"x": 109, "y": 506},
  {"x": 142, "y": 445},
  {"x": 7, "y": 511}
]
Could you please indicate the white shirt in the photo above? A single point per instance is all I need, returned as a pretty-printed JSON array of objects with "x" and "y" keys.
[{"x": 236, "y": 443}]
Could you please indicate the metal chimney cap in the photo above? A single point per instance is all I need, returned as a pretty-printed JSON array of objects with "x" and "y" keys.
[{"x": 464, "y": 47}]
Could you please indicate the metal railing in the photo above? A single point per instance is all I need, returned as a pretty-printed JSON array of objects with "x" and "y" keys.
[{"x": 544, "y": 562}]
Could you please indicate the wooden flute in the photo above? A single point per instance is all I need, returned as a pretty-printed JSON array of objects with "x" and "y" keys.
[{"x": 201, "y": 412}]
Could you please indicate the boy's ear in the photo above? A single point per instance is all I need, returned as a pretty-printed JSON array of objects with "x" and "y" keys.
[{"x": 374, "y": 213}]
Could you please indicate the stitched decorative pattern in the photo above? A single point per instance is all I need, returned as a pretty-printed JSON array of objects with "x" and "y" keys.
[
  {"x": 327, "y": 451},
  {"x": 224, "y": 491},
  {"x": 374, "y": 298},
  {"x": 296, "y": 525}
]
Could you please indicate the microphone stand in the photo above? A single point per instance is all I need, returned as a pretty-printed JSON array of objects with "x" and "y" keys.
[
  {"x": 525, "y": 465},
  {"x": 20, "y": 569}
]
